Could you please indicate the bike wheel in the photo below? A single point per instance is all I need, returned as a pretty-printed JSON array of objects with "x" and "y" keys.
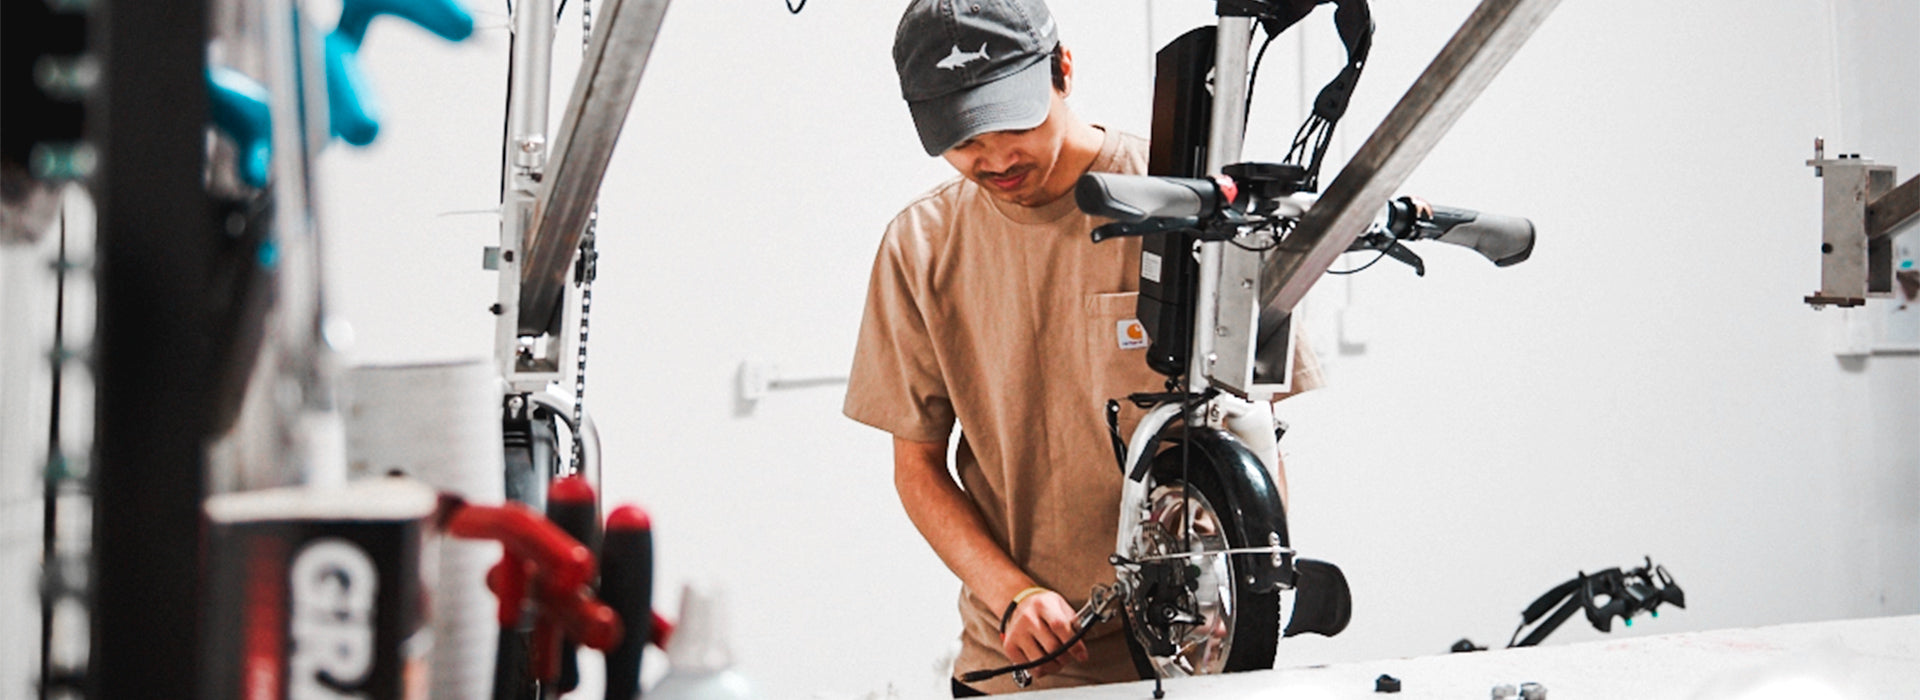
[{"x": 1237, "y": 628}]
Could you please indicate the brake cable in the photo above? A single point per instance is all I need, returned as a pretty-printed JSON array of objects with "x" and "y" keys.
[
  {"x": 585, "y": 270},
  {"x": 1353, "y": 20}
]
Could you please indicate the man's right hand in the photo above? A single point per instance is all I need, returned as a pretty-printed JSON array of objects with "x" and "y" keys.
[{"x": 1040, "y": 624}]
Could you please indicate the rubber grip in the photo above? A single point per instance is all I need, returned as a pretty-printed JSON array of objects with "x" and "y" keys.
[
  {"x": 570, "y": 504},
  {"x": 626, "y": 584},
  {"x": 1135, "y": 198},
  {"x": 1506, "y": 240}
]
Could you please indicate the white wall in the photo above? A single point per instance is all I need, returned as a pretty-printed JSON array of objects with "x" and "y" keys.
[{"x": 1648, "y": 384}]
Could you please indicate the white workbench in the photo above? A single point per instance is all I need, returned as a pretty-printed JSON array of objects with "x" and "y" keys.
[{"x": 1856, "y": 659}]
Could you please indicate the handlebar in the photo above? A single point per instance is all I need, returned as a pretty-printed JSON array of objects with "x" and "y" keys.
[
  {"x": 1137, "y": 198},
  {"x": 1505, "y": 240},
  {"x": 1144, "y": 204}
]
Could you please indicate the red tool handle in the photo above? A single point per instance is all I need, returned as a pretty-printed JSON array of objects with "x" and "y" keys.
[{"x": 542, "y": 560}]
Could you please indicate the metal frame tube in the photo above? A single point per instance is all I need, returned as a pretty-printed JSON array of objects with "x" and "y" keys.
[
  {"x": 603, "y": 93},
  {"x": 1224, "y": 135},
  {"x": 157, "y": 241},
  {"x": 531, "y": 73},
  {"x": 1133, "y": 492},
  {"x": 589, "y": 434},
  {"x": 523, "y": 165}
]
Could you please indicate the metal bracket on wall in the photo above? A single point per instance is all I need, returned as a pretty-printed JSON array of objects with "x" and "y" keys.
[
  {"x": 757, "y": 377},
  {"x": 1861, "y": 210}
]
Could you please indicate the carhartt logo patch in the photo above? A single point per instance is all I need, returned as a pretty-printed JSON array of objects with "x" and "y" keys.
[
  {"x": 1133, "y": 336},
  {"x": 959, "y": 59}
]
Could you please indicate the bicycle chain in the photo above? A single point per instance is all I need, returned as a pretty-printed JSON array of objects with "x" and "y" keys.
[{"x": 588, "y": 269}]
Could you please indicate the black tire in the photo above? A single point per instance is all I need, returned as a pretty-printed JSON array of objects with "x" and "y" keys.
[{"x": 1253, "y": 617}]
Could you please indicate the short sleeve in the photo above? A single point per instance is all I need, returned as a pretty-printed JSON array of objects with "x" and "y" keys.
[{"x": 896, "y": 384}]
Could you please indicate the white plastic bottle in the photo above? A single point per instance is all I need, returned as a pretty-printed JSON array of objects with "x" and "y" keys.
[{"x": 699, "y": 662}]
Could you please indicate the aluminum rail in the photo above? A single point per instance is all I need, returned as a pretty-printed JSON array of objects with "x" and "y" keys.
[
  {"x": 1226, "y": 126},
  {"x": 1890, "y": 212},
  {"x": 602, "y": 95},
  {"x": 523, "y": 164},
  {"x": 1491, "y": 35}
]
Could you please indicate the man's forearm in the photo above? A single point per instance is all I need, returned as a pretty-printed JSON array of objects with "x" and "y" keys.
[{"x": 951, "y": 523}]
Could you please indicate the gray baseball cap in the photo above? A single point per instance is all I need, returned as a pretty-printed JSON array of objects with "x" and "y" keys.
[{"x": 968, "y": 67}]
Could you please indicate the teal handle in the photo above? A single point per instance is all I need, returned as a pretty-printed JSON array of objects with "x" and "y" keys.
[
  {"x": 352, "y": 113},
  {"x": 240, "y": 110},
  {"x": 442, "y": 17},
  {"x": 239, "y": 104}
]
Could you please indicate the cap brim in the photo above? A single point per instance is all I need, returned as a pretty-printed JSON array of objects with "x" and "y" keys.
[{"x": 1018, "y": 101}]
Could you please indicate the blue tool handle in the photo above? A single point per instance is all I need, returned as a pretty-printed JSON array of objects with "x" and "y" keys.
[
  {"x": 442, "y": 17},
  {"x": 240, "y": 111},
  {"x": 352, "y": 113},
  {"x": 239, "y": 104}
]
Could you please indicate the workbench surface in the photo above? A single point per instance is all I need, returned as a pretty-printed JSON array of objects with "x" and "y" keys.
[{"x": 1856, "y": 659}]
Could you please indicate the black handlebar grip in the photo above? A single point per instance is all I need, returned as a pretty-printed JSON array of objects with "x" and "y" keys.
[
  {"x": 1506, "y": 240},
  {"x": 571, "y": 505},
  {"x": 626, "y": 584},
  {"x": 1134, "y": 198}
]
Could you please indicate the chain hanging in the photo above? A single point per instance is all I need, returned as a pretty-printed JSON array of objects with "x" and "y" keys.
[{"x": 588, "y": 268}]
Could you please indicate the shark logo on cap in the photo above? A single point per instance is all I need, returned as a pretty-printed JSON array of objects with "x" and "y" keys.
[{"x": 959, "y": 59}]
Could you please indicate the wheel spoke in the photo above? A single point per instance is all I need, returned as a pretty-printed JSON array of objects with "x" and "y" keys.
[{"x": 1200, "y": 648}]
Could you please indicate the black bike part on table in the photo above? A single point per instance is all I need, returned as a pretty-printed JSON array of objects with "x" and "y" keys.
[{"x": 1626, "y": 594}]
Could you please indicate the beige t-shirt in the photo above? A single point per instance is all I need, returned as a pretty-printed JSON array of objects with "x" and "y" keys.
[{"x": 1012, "y": 322}]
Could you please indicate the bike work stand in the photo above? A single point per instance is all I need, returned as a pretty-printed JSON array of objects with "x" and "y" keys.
[
  {"x": 546, "y": 260},
  {"x": 547, "y": 199}
]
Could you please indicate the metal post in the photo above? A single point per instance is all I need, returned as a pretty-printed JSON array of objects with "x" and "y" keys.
[
  {"x": 524, "y": 165},
  {"x": 156, "y": 245},
  {"x": 1230, "y": 49}
]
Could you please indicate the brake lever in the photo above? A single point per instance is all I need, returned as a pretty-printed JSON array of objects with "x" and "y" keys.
[
  {"x": 1119, "y": 229},
  {"x": 1400, "y": 252}
]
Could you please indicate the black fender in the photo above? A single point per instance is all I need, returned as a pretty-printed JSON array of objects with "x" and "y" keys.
[
  {"x": 1323, "y": 603},
  {"x": 1252, "y": 504}
]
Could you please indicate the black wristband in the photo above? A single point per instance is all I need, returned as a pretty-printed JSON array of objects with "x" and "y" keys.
[{"x": 1007, "y": 616}]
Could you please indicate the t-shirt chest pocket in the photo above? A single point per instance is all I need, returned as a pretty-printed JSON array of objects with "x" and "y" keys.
[{"x": 1116, "y": 347}]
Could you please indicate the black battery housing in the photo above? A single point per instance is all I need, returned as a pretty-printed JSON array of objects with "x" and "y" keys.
[{"x": 1169, "y": 270}]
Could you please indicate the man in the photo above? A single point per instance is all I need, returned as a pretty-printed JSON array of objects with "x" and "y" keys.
[{"x": 990, "y": 306}]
